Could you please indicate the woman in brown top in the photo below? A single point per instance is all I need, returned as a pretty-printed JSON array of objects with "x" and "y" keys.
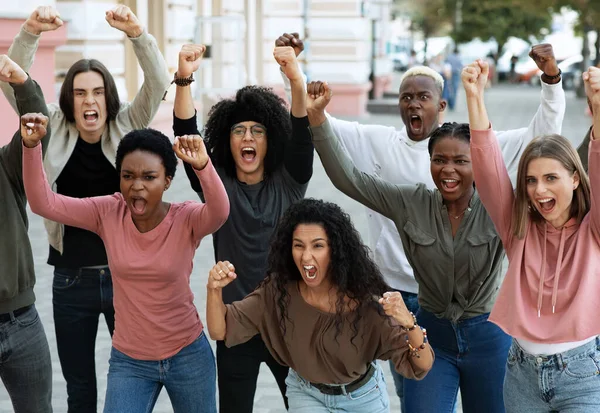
[{"x": 325, "y": 312}]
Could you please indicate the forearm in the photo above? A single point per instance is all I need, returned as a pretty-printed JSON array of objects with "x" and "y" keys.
[
  {"x": 299, "y": 152},
  {"x": 215, "y": 314},
  {"x": 215, "y": 210},
  {"x": 478, "y": 117},
  {"x": 416, "y": 338},
  {"x": 595, "y": 132},
  {"x": 298, "y": 98},
  {"x": 183, "y": 108}
]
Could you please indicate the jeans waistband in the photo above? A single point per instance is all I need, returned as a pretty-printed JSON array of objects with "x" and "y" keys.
[
  {"x": 557, "y": 360},
  {"x": 6, "y": 317},
  {"x": 83, "y": 271},
  {"x": 479, "y": 319}
]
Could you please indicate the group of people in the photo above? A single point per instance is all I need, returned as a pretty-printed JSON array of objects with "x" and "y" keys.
[{"x": 293, "y": 285}]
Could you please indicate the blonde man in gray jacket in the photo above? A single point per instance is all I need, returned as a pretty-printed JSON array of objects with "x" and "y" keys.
[{"x": 87, "y": 125}]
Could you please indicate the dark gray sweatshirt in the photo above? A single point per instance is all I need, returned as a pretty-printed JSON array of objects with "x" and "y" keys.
[{"x": 17, "y": 275}]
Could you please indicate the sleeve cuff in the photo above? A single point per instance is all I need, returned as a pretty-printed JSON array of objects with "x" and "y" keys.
[
  {"x": 551, "y": 91},
  {"x": 142, "y": 39},
  {"x": 321, "y": 132},
  {"x": 25, "y": 37},
  {"x": 482, "y": 137},
  {"x": 185, "y": 126},
  {"x": 299, "y": 122},
  {"x": 26, "y": 90}
]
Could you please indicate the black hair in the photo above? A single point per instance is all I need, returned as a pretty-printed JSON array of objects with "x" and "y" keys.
[
  {"x": 351, "y": 270},
  {"x": 266, "y": 108},
  {"x": 449, "y": 130},
  {"x": 148, "y": 140},
  {"x": 66, "y": 99}
]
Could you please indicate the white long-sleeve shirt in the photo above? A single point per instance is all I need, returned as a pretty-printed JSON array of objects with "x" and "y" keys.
[{"x": 390, "y": 154}]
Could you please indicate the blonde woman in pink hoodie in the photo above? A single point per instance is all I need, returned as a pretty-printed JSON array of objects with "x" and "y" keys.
[{"x": 550, "y": 228}]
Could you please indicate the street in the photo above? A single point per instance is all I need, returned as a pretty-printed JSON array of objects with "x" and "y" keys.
[{"x": 509, "y": 107}]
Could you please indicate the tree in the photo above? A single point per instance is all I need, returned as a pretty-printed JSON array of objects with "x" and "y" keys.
[{"x": 500, "y": 19}]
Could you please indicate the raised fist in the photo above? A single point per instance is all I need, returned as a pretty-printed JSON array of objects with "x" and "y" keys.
[
  {"x": 474, "y": 77},
  {"x": 190, "y": 58},
  {"x": 191, "y": 149},
  {"x": 43, "y": 19},
  {"x": 122, "y": 18},
  {"x": 10, "y": 71},
  {"x": 286, "y": 58},
  {"x": 33, "y": 128},
  {"x": 221, "y": 274},
  {"x": 292, "y": 40},
  {"x": 394, "y": 306},
  {"x": 591, "y": 80},
  {"x": 543, "y": 56}
]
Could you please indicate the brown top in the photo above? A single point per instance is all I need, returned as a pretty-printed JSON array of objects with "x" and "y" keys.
[{"x": 309, "y": 345}]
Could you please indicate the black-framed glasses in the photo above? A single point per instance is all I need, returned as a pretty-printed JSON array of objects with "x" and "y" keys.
[{"x": 257, "y": 131}]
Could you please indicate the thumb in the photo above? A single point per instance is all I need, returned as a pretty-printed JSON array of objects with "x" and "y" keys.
[{"x": 585, "y": 76}]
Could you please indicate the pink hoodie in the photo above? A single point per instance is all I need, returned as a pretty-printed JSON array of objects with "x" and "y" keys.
[{"x": 551, "y": 293}]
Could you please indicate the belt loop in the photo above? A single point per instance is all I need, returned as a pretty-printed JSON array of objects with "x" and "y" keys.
[
  {"x": 598, "y": 343},
  {"x": 12, "y": 316},
  {"x": 343, "y": 388}
]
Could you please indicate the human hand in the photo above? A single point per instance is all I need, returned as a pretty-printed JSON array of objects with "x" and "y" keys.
[
  {"x": 191, "y": 149},
  {"x": 543, "y": 56},
  {"x": 122, "y": 18},
  {"x": 286, "y": 58},
  {"x": 474, "y": 78},
  {"x": 33, "y": 128},
  {"x": 292, "y": 40},
  {"x": 43, "y": 19},
  {"x": 591, "y": 81},
  {"x": 394, "y": 306},
  {"x": 11, "y": 72},
  {"x": 220, "y": 275},
  {"x": 190, "y": 57}
]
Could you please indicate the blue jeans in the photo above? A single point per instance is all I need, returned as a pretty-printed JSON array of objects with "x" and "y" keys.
[
  {"x": 189, "y": 377},
  {"x": 469, "y": 354},
  {"x": 79, "y": 296},
  {"x": 412, "y": 303},
  {"x": 25, "y": 365},
  {"x": 563, "y": 382},
  {"x": 372, "y": 397}
]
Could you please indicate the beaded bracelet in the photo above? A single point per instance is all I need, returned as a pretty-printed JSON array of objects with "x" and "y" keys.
[
  {"x": 407, "y": 329},
  {"x": 414, "y": 351}
]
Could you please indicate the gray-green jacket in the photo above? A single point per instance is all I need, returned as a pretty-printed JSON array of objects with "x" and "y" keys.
[
  {"x": 458, "y": 277},
  {"x": 17, "y": 275}
]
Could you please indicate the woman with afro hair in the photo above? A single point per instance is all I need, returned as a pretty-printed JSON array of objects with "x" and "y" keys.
[
  {"x": 325, "y": 311},
  {"x": 265, "y": 165}
]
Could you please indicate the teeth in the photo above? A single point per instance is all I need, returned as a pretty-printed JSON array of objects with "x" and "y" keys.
[
  {"x": 414, "y": 117},
  {"x": 449, "y": 180},
  {"x": 89, "y": 112},
  {"x": 309, "y": 267},
  {"x": 247, "y": 149},
  {"x": 542, "y": 201}
]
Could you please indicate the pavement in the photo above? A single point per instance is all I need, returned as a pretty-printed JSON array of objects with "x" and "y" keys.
[{"x": 509, "y": 106}]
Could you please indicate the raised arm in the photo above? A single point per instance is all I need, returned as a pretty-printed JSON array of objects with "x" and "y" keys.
[
  {"x": 144, "y": 106},
  {"x": 208, "y": 217},
  {"x": 489, "y": 170},
  {"x": 549, "y": 117},
  {"x": 84, "y": 213},
  {"x": 591, "y": 80},
  {"x": 23, "y": 48},
  {"x": 184, "y": 112},
  {"x": 366, "y": 144},
  {"x": 369, "y": 190},
  {"x": 299, "y": 152},
  {"x": 29, "y": 99}
]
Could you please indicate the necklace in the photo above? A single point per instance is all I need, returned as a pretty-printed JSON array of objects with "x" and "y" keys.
[{"x": 461, "y": 214}]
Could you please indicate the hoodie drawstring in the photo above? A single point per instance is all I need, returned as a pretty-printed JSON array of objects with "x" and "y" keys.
[{"x": 557, "y": 271}]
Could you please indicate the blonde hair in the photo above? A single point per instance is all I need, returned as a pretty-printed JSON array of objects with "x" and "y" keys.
[
  {"x": 553, "y": 147},
  {"x": 425, "y": 71}
]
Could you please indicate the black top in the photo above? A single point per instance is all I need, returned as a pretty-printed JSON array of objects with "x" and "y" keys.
[
  {"x": 87, "y": 173},
  {"x": 255, "y": 209}
]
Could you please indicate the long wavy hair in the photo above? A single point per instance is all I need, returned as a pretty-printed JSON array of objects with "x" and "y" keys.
[
  {"x": 351, "y": 270},
  {"x": 264, "y": 107}
]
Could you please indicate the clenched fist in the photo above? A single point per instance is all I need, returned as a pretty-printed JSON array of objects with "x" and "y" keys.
[
  {"x": 474, "y": 78},
  {"x": 190, "y": 58},
  {"x": 191, "y": 149},
  {"x": 34, "y": 127},
  {"x": 11, "y": 72},
  {"x": 543, "y": 56},
  {"x": 220, "y": 275},
  {"x": 43, "y": 19},
  {"x": 591, "y": 80},
  {"x": 292, "y": 40},
  {"x": 318, "y": 96},
  {"x": 122, "y": 18},
  {"x": 286, "y": 58},
  {"x": 394, "y": 306}
]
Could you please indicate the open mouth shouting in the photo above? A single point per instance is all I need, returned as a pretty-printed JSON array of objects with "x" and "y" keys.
[
  {"x": 450, "y": 185},
  {"x": 310, "y": 272},
  {"x": 138, "y": 205},
  {"x": 248, "y": 154},
  {"x": 90, "y": 117},
  {"x": 416, "y": 124},
  {"x": 546, "y": 205}
]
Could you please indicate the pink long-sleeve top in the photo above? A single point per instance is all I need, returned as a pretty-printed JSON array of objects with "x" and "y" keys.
[
  {"x": 155, "y": 316},
  {"x": 552, "y": 272}
]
